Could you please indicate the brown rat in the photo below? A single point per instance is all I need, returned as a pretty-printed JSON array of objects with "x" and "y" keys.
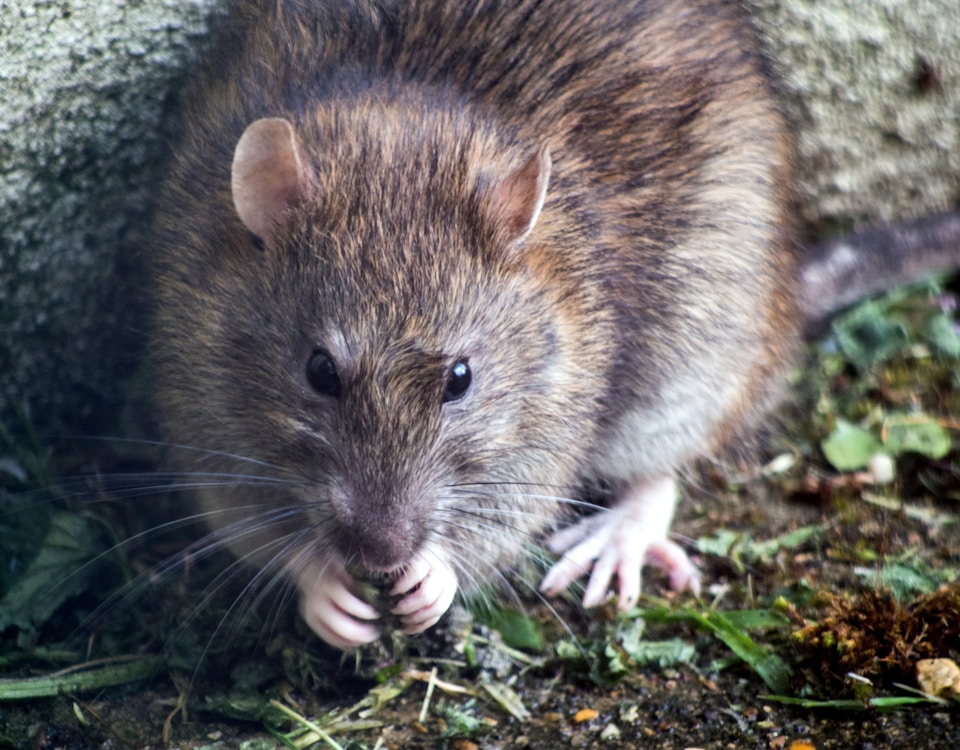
[{"x": 427, "y": 270}]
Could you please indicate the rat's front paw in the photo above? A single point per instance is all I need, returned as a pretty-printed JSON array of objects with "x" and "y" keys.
[
  {"x": 332, "y": 610},
  {"x": 619, "y": 542},
  {"x": 429, "y": 586}
]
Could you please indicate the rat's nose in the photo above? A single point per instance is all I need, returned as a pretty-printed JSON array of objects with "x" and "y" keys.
[{"x": 382, "y": 547}]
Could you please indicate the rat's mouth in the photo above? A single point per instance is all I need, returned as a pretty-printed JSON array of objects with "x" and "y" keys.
[
  {"x": 375, "y": 576},
  {"x": 378, "y": 566}
]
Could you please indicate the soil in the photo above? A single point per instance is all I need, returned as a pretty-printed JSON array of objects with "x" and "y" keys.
[{"x": 693, "y": 705}]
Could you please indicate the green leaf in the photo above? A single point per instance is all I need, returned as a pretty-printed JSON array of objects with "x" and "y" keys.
[
  {"x": 381, "y": 695},
  {"x": 569, "y": 651},
  {"x": 916, "y": 433},
  {"x": 120, "y": 672},
  {"x": 61, "y": 569},
  {"x": 721, "y": 543},
  {"x": 742, "y": 548},
  {"x": 663, "y": 653},
  {"x": 767, "y": 549},
  {"x": 773, "y": 670},
  {"x": 24, "y": 522},
  {"x": 508, "y": 699},
  {"x": 616, "y": 664},
  {"x": 904, "y": 581},
  {"x": 882, "y": 702},
  {"x": 867, "y": 336},
  {"x": 850, "y": 447},
  {"x": 517, "y": 630},
  {"x": 756, "y": 619},
  {"x": 942, "y": 335},
  {"x": 742, "y": 619}
]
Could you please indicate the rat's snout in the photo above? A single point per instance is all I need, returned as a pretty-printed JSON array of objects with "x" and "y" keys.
[{"x": 381, "y": 545}]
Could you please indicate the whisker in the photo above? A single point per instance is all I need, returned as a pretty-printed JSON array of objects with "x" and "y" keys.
[
  {"x": 509, "y": 484},
  {"x": 234, "y": 616},
  {"x": 559, "y": 499},
  {"x": 166, "y": 445},
  {"x": 475, "y": 570},
  {"x": 472, "y": 528},
  {"x": 201, "y": 549}
]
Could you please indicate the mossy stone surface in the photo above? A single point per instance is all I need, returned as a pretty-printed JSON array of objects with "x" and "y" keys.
[{"x": 85, "y": 91}]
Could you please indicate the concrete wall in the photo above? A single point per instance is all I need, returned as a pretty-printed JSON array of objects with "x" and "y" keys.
[
  {"x": 874, "y": 87},
  {"x": 84, "y": 86},
  {"x": 86, "y": 92}
]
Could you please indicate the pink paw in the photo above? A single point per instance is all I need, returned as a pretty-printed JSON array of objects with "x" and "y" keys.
[
  {"x": 618, "y": 542},
  {"x": 430, "y": 586},
  {"x": 332, "y": 610},
  {"x": 671, "y": 558}
]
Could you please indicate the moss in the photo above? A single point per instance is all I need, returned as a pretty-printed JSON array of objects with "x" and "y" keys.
[{"x": 875, "y": 636}]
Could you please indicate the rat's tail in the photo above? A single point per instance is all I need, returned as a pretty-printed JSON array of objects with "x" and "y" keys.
[{"x": 836, "y": 273}]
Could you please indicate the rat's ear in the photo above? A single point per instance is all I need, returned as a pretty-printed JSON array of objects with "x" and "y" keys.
[
  {"x": 269, "y": 174},
  {"x": 516, "y": 199}
]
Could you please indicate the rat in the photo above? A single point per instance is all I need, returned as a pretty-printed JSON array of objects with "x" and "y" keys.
[{"x": 428, "y": 274}]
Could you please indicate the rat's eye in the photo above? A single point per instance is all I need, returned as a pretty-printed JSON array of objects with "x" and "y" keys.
[
  {"x": 458, "y": 382},
  {"x": 322, "y": 374}
]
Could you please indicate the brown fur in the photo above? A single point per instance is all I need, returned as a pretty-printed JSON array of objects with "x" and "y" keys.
[{"x": 647, "y": 318}]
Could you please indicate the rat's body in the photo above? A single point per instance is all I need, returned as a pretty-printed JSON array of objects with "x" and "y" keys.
[{"x": 426, "y": 269}]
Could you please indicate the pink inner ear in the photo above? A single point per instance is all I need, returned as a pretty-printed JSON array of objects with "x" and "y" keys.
[
  {"x": 516, "y": 200},
  {"x": 269, "y": 173}
]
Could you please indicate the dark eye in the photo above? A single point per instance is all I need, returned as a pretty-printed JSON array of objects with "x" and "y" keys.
[
  {"x": 322, "y": 374},
  {"x": 458, "y": 382}
]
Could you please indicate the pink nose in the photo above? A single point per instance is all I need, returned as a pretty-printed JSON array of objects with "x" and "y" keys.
[{"x": 381, "y": 549}]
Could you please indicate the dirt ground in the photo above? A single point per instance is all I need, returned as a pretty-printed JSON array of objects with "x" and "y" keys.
[{"x": 712, "y": 701}]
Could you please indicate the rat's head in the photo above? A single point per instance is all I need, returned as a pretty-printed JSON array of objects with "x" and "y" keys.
[{"x": 394, "y": 334}]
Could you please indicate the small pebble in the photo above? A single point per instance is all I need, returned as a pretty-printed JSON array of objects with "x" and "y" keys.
[
  {"x": 610, "y": 732},
  {"x": 585, "y": 714},
  {"x": 939, "y": 677},
  {"x": 882, "y": 468}
]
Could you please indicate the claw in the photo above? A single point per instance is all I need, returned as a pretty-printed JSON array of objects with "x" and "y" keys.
[
  {"x": 618, "y": 543},
  {"x": 332, "y": 610},
  {"x": 430, "y": 586}
]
